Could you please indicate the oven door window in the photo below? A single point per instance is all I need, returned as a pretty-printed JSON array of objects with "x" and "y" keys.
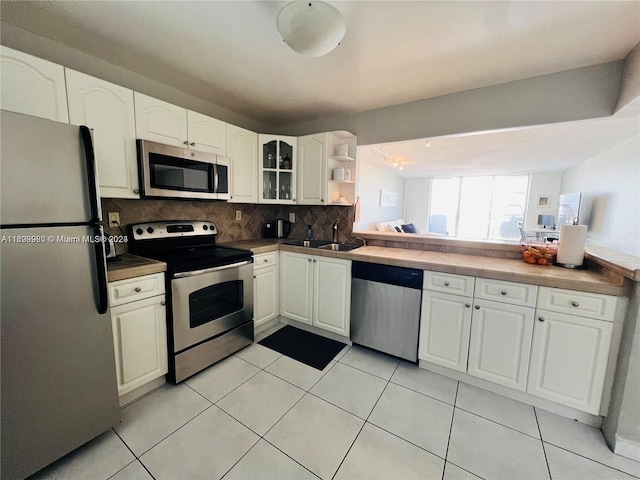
[
  {"x": 171, "y": 173},
  {"x": 215, "y": 301}
]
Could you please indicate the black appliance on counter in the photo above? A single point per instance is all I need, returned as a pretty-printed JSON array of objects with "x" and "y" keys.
[
  {"x": 277, "y": 229},
  {"x": 209, "y": 292}
]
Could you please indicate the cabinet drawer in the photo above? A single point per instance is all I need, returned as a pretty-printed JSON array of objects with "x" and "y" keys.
[
  {"x": 448, "y": 283},
  {"x": 132, "y": 289},
  {"x": 592, "y": 305},
  {"x": 265, "y": 260},
  {"x": 506, "y": 292}
]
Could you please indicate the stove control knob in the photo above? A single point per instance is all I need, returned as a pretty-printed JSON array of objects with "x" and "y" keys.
[
  {"x": 204, "y": 227},
  {"x": 212, "y": 227},
  {"x": 139, "y": 231},
  {"x": 149, "y": 229}
]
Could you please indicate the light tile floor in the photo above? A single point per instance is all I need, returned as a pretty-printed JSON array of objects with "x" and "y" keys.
[{"x": 259, "y": 415}]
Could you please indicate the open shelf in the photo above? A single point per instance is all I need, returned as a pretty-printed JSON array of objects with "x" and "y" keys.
[
  {"x": 342, "y": 159},
  {"x": 342, "y": 181}
]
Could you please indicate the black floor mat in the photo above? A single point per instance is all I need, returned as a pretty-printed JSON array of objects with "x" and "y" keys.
[{"x": 308, "y": 348}]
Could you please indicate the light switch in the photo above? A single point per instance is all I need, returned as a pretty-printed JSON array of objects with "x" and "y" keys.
[{"x": 292, "y": 217}]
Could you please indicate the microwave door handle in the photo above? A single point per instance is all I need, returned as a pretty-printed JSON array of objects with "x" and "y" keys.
[
  {"x": 92, "y": 176},
  {"x": 216, "y": 180}
]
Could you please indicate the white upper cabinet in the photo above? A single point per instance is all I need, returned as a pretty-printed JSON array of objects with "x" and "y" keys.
[
  {"x": 312, "y": 169},
  {"x": 206, "y": 134},
  {"x": 166, "y": 123},
  {"x": 242, "y": 149},
  {"x": 160, "y": 121},
  {"x": 32, "y": 86},
  {"x": 108, "y": 109},
  {"x": 326, "y": 172},
  {"x": 277, "y": 157}
]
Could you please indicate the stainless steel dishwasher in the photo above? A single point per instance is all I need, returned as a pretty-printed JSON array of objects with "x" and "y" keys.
[{"x": 385, "y": 308}]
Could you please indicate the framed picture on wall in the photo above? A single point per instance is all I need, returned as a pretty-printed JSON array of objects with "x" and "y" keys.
[
  {"x": 388, "y": 198},
  {"x": 543, "y": 202}
]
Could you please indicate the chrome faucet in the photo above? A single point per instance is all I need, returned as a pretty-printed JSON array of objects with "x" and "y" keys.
[
  {"x": 334, "y": 227},
  {"x": 364, "y": 242}
]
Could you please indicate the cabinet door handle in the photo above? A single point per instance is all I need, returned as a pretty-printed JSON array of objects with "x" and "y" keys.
[
  {"x": 467, "y": 305},
  {"x": 541, "y": 319},
  {"x": 503, "y": 292},
  {"x": 322, "y": 200},
  {"x": 446, "y": 284},
  {"x": 309, "y": 259},
  {"x": 185, "y": 142},
  {"x": 254, "y": 276},
  {"x": 138, "y": 289},
  {"x": 163, "y": 303},
  {"x": 314, "y": 260},
  {"x": 193, "y": 144},
  {"x": 477, "y": 307},
  {"x": 265, "y": 260},
  {"x": 293, "y": 199},
  {"x": 575, "y": 304},
  {"x": 136, "y": 191}
]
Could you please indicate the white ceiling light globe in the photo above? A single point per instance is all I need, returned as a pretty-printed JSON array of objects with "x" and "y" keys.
[{"x": 311, "y": 28}]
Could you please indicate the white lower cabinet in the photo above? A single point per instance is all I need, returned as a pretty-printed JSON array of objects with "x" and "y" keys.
[
  {"x": 316, "y": 290},
  {"x": 569, "y": 357},
  {"x": 445, "y": 326},
  {"x": 139, "y": 333},
  {"x": 500, "y": 343},
  {"x": 265, "y": 288}
]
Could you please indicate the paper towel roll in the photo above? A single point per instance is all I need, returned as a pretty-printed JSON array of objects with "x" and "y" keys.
[{"x": 571, "y": 244}]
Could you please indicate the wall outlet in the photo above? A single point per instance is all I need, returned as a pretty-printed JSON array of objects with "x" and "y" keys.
[
  {"x": 114, "y": 219},
  {"x": 238, "y": 215},
  {"x": 292, "y": 217}
]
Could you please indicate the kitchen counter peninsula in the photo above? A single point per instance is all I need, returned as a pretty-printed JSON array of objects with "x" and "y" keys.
[{"x": 514, "y": 270}]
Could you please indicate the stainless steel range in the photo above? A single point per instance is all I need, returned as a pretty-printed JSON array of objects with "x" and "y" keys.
[{"x": 210, "y": 301}]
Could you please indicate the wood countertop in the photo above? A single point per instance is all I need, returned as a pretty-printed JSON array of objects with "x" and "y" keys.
[
  {"x": 133, "y": 266},
  {"x": 478, "y": 266}
]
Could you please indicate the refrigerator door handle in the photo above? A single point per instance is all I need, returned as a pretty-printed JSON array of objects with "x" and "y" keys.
[
  {"x": 94, "y": 200},
  {"x": 101, "y": 264}
]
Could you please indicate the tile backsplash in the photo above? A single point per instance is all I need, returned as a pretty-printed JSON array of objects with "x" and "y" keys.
[{"x": 223, "y": 214}]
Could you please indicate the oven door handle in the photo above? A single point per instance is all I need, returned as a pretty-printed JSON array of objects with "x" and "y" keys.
[{"x": 209, "y": 270}]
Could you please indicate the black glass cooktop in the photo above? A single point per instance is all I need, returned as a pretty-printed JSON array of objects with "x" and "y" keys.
[{"x": 197, "y": 258}]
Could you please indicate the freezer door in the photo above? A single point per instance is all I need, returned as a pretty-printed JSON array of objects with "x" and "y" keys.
[
  {"x": 44, "y": 171},
  {"x": 58, "y": 378}
]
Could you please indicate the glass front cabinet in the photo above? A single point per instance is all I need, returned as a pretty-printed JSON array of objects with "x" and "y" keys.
[{"x": 277, "y": 179}]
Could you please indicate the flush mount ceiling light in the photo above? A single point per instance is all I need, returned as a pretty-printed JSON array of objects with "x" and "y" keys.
[{"x": 311, "y": 29}]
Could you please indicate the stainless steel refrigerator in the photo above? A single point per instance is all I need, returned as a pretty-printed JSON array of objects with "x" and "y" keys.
[{"x": 58, "y": 379}]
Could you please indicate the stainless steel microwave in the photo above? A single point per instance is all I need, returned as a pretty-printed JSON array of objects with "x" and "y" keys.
[{"x": 167, "y": 171}]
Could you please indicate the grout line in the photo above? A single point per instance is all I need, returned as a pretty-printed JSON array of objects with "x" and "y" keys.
[
  {"x": 453, "y": 414},
  {"x": 365, "y": 421},
  {"x": 136, "y": 458},
  {"x": 242, "y": 456},
  {"x": 544, "y": 451},
  {"x": 501, "y": 424},
  {"x": 285, "y": 453},
  {"x": 594, "y": 461},
  {"x": 425, "y": 394}
]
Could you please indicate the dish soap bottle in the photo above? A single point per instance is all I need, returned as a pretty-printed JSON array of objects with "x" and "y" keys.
[{"x": 309, "y": 233}]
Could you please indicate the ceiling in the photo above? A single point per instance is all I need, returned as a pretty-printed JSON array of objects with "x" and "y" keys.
[
  {"x": 544, "y": 148},
  {"x": 229, "y": 53}
]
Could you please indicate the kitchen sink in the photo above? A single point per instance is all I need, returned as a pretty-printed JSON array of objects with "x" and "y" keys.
[
  {"x": 340, "y": 247},
  {"x": 308, "y": 243}
]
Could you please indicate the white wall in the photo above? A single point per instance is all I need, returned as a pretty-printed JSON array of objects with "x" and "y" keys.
[
  {"x": 417, "y": 193},
  {"x": 370, "y": 180},
  {"x": 610, "y": 187},
  {"x": 542, "y": 184},
  {"x": 589, "y": 92}
]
